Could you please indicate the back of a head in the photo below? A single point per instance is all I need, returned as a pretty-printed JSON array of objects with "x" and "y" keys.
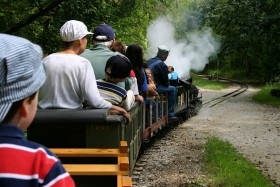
[
  {"x": 118, "y": 67},
  {"x": 163, "y": 51},
  {"x": 134, "y": 53},
  {"x": 73, "y": 30},
  {"x": 21, "y": 71},
  {"x": 119, "y": 47},
  {"x": 103, "y": 33}
]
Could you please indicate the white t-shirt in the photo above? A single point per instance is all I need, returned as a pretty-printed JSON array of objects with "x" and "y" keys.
[{"x": 70, "y": 81}]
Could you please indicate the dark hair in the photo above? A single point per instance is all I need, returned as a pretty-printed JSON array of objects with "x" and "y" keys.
[
  {"x": 67, "y": 45},
  {"x": 119, "y": 47},
  {"x": 15, "y": 106},
  {"x": 134, "y": 53}
]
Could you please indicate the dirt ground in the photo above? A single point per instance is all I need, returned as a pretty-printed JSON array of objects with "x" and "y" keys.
[{"x": 252, "y": 128}]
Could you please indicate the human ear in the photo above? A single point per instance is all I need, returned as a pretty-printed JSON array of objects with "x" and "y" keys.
[{"x": 23, "y": 109}]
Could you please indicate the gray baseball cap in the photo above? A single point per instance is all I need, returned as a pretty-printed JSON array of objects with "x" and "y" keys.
[{"x": 21, "y": 70}]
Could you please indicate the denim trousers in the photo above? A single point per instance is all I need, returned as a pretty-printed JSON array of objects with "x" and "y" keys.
[{"x": 172, "y": 94}]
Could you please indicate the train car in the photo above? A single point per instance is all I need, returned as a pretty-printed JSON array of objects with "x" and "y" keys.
[{"x": 96, "y": 128}]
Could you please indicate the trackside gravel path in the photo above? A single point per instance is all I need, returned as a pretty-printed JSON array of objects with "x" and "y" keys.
[{"x": 252, "y": 128}]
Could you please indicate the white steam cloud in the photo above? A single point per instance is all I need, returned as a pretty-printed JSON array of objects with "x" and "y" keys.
[{"x": 185, "y": 55}]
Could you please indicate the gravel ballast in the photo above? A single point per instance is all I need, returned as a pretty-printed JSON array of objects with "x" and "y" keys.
[{"x": 252, "y": 128}]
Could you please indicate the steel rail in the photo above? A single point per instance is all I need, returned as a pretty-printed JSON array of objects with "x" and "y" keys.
[{"x": 215, "y": 101}]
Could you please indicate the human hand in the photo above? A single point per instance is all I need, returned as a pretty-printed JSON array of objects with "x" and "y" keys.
[
  {"x": 116, "y": 110},
  {"x": 139, "y": 98}
]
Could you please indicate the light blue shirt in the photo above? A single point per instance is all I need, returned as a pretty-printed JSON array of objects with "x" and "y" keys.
[{"x": 173, "y": 76}]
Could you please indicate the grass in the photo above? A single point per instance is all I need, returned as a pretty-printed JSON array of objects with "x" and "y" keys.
[
  {"x": 208, "y": 84},
  {"x": 264, "y": 97},
  {"x": 227, "y": 168}
]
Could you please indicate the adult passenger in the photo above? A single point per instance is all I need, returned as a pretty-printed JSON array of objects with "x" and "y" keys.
[
  {"x": 160, "y": 72},
  {"x": 70, "y": 77},
  {"x": 135, "y": 54},
  {"x": 103, "y": 40},
  {"x": 23, "y": 163}
]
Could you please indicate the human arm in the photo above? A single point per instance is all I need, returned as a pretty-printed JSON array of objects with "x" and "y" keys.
[
  {"x": 116, "y": 110},
  {"x": 139, "y": 98},
  {"x": 129, "y": 100},
  {"x": 134, "y": 89},
  {"x": 152, "y": 90},
  {"x": 90, "y": 91},
  {"x": 163, "y": 70}
]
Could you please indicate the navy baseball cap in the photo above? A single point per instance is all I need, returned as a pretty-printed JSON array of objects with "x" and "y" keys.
[
  {"x": 103, "y": 32},
  {"x": 118, "y": 67}
]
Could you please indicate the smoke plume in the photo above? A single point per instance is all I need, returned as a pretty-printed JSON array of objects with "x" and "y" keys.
[{"x": 185, "y": 55}]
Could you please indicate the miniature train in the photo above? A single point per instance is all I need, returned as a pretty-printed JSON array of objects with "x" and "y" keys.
[{"x": 96, "y": 128}]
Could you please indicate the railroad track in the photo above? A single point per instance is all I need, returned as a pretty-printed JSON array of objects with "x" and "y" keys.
[
  {"x": 149, "y": 149},
  {"x": 155, "y": 144},
  {"x": 213, "y": 102}
]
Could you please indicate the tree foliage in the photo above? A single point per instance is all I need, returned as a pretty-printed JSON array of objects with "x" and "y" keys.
[
  {"x": 249, "y": 30},
  {"x": 40, "y": 20}
]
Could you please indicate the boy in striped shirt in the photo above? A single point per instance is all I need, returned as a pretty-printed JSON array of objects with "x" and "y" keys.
[
  {"x": 23, "y": 163},
  {"x": 116, "y": 70}
]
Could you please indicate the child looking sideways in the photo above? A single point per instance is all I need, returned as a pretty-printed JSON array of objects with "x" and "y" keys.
[{"x": 23, "y": 163}]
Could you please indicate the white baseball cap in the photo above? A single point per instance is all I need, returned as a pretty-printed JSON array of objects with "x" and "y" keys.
[{"x": 73, "y": 30}]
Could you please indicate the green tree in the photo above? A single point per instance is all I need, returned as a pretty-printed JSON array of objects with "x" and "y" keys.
[
  {"x": 40, "y": 20},
  {"x": 249, "y": 30}
]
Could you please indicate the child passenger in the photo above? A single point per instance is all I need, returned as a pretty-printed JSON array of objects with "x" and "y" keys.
[
  {"x": 70, "y": 78},
  {"x": 151, "y": 86},
  {"x": 23, "y": 163},
  {"x": 116, "y": 70}
]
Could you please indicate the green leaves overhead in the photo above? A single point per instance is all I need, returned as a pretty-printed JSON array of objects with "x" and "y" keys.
[
  {"x": 248, "y": 29},
  {"x": 40, "y": 20}
]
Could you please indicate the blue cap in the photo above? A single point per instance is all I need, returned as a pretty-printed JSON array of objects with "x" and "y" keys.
[
  {"x": 21, "y": 70},
  {"x": 103, "y": 32}
]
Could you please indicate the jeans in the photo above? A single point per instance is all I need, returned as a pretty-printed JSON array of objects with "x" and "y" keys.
[{"x": 172, "y": 94}]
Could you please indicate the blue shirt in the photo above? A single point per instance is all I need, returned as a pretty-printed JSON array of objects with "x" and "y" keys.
[
  {"x": 173, "y": 76},
  {"x": 160, "y": 71}
]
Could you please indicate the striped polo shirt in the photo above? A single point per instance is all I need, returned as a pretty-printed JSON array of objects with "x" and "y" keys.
[
  {"x": 112, "y": 93},
  {"x": 28, "y": 164}
]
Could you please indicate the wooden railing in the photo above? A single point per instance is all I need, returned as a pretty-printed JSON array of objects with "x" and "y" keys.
[{"x": 120, "y": 169}]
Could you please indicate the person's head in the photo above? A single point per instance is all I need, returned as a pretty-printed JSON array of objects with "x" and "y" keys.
[
  {"x": 117, "y": 68},
  {"x": 134, "y": 53},
  {"x": 103, "y": 34},
  {"x": 22, "y": 74},
  {"x": 170, "y": 69},
  {"x": 149, "y": 73},
  {"x": 74, "y": 35},
  {"x": 163, "y": 52},
  {"x": 119, "y": 46}
]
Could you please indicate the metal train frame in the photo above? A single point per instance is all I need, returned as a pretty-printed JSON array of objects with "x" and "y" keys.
[{"x": 84, "y": 128}]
